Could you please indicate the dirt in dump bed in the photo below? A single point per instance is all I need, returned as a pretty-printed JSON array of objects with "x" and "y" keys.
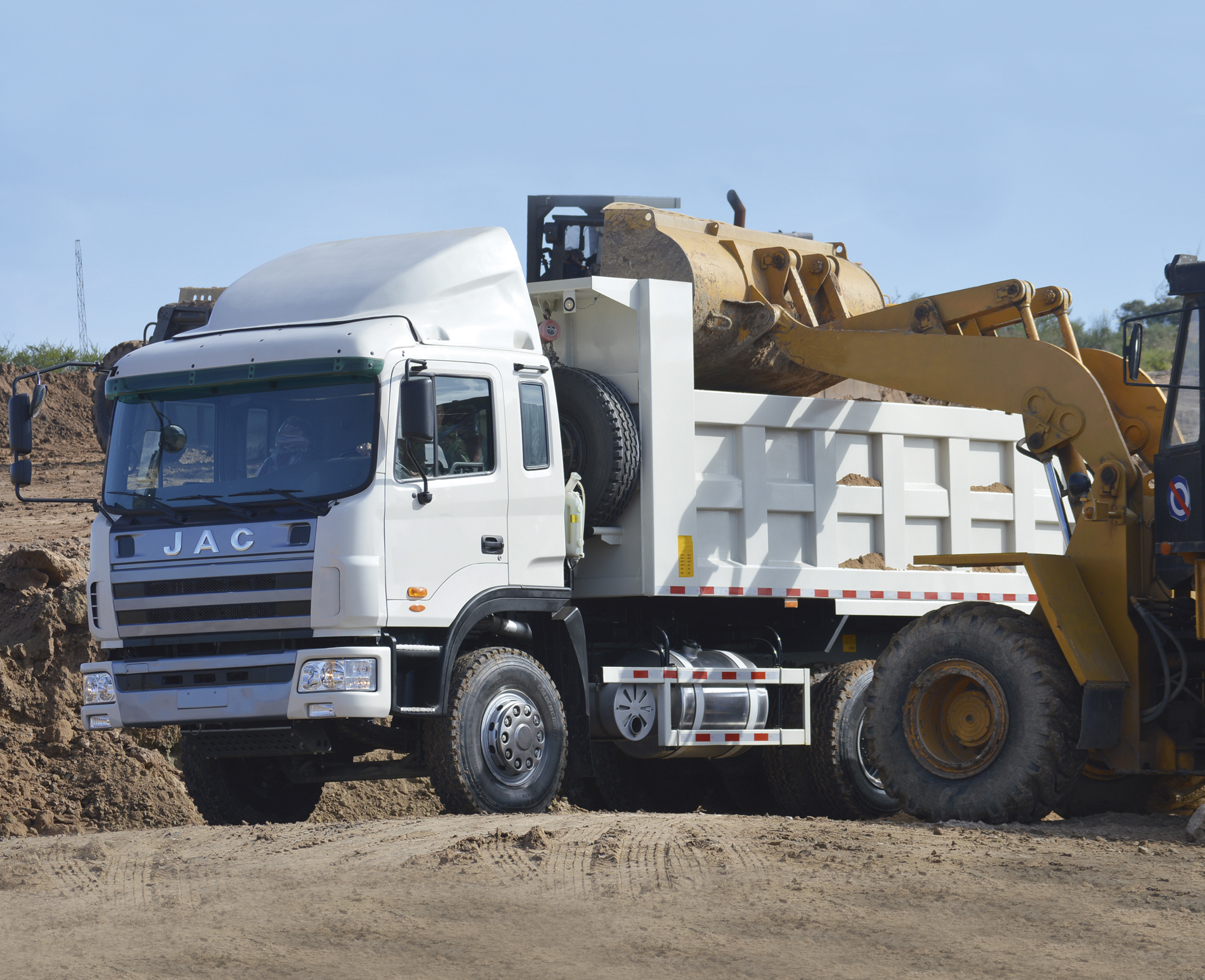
[
  {"x": 858, "y": 480},
  {"x": 872, "y": 562},
  {"x": 996, "y": 487}
]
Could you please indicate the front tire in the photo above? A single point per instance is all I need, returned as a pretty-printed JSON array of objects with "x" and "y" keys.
[
  {"x": 235, "y": 791},
  {"x": 501, "y": 747},
  {"x": 973, "y": 714}
]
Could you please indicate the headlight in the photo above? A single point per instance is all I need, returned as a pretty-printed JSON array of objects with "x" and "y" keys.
[
  {"x": 338, "y": 675},
  {"x": 98, "y": 688}
]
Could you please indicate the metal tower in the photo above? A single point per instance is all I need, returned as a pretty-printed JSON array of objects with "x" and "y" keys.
[{"x": 84, "y": 346}]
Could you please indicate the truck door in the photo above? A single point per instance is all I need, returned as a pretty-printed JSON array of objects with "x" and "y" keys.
[
  {"x": 536, "y": 520},
  {"x": 1179, "y": 496},
  {"x": 456, "y": 545}
]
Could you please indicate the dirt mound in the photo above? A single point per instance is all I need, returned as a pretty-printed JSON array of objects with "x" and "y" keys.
[{"x": 63, "y": 430}]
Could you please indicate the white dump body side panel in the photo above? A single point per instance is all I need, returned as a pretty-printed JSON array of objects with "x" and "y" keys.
[{"x": 748, "y": 484}]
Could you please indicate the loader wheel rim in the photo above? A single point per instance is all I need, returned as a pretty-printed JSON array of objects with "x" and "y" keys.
[
  {"x": 869, "y": 769},
  {"x": 513, "y": 738},
  {"x": 955, "y": 718}
]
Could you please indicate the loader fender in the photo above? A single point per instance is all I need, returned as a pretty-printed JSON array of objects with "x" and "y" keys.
[{"x": 1069, "y": 612}]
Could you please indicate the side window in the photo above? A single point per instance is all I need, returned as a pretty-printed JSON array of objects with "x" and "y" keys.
[
  {"x": 464, "y": 440},
  {"x": 534, "y": 421},
  {"x": 1186, "y": 401}
]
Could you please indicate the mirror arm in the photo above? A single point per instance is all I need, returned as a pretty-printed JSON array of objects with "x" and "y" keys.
[{"x": 424, "y": 495}]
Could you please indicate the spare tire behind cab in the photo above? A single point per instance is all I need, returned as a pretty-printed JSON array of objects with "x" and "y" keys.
[{"x": 599, "y": 441}]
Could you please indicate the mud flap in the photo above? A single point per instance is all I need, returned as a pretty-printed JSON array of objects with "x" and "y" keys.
[{"x": 1100, "y": 721}]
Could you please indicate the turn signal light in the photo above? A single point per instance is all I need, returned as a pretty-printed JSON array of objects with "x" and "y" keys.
[
  {"x": 416, "y": 592},
  {"x": 417, "y": 608}
]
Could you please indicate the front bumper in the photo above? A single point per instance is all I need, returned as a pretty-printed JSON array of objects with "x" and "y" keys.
[{"x": 231, "y": 690}]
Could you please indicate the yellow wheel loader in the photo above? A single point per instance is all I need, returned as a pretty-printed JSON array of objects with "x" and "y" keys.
[{"x": 977, "y": 711}]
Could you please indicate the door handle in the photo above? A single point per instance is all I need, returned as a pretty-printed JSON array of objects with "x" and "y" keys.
[{"x": 491, "y": 544}]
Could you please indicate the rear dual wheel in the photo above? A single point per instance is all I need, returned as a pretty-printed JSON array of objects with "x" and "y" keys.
[{"x": 973, "y": 714}]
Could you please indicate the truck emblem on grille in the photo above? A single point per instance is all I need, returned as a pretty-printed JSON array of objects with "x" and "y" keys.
[{"x": 241, "y": 540}]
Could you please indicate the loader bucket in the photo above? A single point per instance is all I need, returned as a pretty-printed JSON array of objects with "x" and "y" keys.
[{"x": 745, "y": 283}]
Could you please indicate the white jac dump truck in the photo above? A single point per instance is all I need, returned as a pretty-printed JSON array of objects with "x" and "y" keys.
[{"x": 335, "y": 518}]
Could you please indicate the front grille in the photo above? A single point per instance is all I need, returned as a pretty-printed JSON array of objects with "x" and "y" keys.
[
  {"x": 203, "y": 614},
  {"x": 208, "y": 586},
  {"x": 269, "y": 674}
]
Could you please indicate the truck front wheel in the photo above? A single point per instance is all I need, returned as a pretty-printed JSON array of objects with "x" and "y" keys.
[
  {"x": 973, "y": 714},
  {"x": 233, "y": 791},
  {"x": 501, "y": 746}
]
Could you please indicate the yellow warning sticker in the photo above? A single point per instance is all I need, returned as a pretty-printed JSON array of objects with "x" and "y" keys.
[
  {"x": 686, "y": 556},
  {"x": 849, "y": 643}
]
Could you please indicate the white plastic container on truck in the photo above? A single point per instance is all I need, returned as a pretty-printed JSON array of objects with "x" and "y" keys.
[{"x": 343, "y": 500}]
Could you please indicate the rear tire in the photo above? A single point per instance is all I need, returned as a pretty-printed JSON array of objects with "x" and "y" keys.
[
  {"x": 599, "y": 441},
  {"x": 235, "y": 791},
  {"x": 501, "y": 747},
  {"x": 846, "y": 782},
  {"x": 973, "y": 714},
  {"x": 102, "y": 408}
]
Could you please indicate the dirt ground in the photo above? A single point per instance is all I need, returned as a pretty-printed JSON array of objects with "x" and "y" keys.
[{"x": 106, "y": 868}]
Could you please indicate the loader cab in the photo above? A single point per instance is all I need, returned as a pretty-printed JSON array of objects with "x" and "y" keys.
[{"x": 1179, "y": 470}]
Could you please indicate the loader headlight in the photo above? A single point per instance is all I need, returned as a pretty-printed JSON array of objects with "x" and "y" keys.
[
  {"x": 338, "y": 675},
  {"x": 99, "y": 689}
]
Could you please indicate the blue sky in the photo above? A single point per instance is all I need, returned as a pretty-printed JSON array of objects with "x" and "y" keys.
[{"x": 947, "y": 144}]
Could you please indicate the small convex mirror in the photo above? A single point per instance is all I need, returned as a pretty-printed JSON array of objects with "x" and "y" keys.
[
  {"x": 35, "y": 403},
  {"x": 172, "y": 438}
]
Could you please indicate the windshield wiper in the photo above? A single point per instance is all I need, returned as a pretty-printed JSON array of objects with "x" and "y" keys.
[
  {"x": 301, "y": 502},
  {"x": 171, "y": 512},
  {"x": 241, "y": 511}
]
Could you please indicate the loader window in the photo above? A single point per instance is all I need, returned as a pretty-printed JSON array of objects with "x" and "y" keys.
[
  {"x": 1185, "y": 394},
  {"x": 464, "y": 432}
]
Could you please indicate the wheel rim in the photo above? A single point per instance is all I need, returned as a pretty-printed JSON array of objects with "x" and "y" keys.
[
  {"x": 512, "y": 738},
  {"x": 869, "y": 770},
  {"x": 955, "y": 718}
]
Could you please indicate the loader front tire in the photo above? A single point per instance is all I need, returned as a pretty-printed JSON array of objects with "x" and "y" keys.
[
  {"x": 254, "y": 791},
  {"x": 973, "y": 714},
  {"x": 501, "y": 748}
]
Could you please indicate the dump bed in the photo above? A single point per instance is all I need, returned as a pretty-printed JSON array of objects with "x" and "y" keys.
[{"x": 765, "y": 495}]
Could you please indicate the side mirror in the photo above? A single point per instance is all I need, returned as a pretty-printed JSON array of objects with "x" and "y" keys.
[
  {"x": 35, "y": 403},
  {"x": 418, "y": 409},
  {"x": 21, "y": 473},
  {"x": 20, "y": 425},
  {"x": 1133, "y": 351},
  {"x": 172, "y": 438}
]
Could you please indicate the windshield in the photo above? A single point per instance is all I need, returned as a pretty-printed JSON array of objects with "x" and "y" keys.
[{"x": 312, "y": 441}]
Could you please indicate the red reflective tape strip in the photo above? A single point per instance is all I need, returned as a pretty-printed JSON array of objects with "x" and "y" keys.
[
  {"x": 640, "y": 673},
  {"x": 759, "y": 675},
  {"x": 793, "y": 592},
  {"x": 702, "y": 738},
  {"x": 957, "y": 596},
  {"x": 699, "y": 675},
  {"x": 735, "y": 590},
  {"x": 728, "y": 675},
  {"x": 876, "y": 595},
  {"x": 732, "y": 737},
  {"x": 849, "y": 593},
  {"x": 1033, "y": 597},
  {"x": 903, "y": 595},
  {"x": 706, "y": 590},
  {"x": 765, "y": 591},
  {"x": 670, "y": 674},
  {"x": 677, "y": 590},
  {"x": 761, "y": 736},
  {"x": 1010, "y": 597},
  {"x": 930, "y": 595},
  {"x": 821, "y": 593},
  {"x": 983, "y": 596}
]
